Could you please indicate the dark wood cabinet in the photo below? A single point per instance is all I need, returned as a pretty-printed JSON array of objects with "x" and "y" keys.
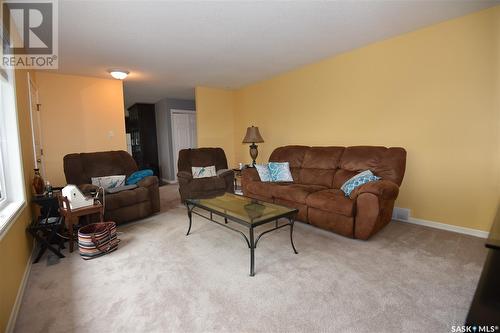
[
  {"x": 485, "y": 308},
  {"x": 141, "y": 125}
]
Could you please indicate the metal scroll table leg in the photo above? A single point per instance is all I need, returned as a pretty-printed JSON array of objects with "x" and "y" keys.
[
  {"x": 190, "y": 215},
  {"x": 252, "y": 256},
  {"x": 291, "y": 234}
]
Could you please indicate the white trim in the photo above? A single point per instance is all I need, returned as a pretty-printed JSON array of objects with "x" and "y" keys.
[
  {"x": 13, "y": 210},
  {"x": 448, "y": 227},
  {"x": 182, "y": 111},
  {"x": 11, "y": 324},
  {"x": 170, "y": 181}
]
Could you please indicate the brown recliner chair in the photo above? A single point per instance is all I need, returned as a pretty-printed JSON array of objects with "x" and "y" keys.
[
  {"x": 191, "y": 188},
  {"x": 123, "y": 206}
]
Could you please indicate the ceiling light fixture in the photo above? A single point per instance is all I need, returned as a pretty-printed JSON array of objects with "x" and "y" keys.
[{"x": 118, "y": 74}]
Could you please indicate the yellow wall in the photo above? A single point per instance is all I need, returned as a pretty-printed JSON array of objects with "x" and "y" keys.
[
  {"x": 432, "y": 91},
  {"x": 77, "y": 114},
  {"x": 16, "y": 245},
  {"x": 215, "y": 120}
]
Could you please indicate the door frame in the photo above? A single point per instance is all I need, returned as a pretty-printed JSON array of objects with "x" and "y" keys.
[
  {"x": 31, "y": 85},
  {"x": 172, "y": 112}
]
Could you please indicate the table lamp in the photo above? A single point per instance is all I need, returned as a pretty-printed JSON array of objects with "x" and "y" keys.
[{"x": 253, "y": 136}]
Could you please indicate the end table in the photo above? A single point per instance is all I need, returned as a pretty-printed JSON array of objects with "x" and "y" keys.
[{"x": 71, "y": 216}]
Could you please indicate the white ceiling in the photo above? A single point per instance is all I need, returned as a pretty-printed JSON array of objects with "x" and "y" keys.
[{"x": 171, "y": 47}]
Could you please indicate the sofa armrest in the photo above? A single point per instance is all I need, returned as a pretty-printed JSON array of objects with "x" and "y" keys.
[
  {"x": 249, "y": 174},
  {"x": 228, "y": 176},
  {"x": 383, "y": 189},
  {"x": 184, "y": 177},
  {"x": 151, "y": 183},
  {"x": 148, "y": 181},
  {"x": 224, "y": 172}
]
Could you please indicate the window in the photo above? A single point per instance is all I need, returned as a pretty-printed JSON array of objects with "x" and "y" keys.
[{"x": 12, "y": 189}]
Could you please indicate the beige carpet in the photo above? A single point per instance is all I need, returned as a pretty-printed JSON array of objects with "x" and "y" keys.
[{"x": 406, "y": 279}]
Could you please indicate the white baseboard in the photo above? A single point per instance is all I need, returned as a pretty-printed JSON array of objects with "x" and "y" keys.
[
  {"x": 169, "y": 181},
  {"x": 448, "y": 227},
  {"x": 11, "y": 324}
]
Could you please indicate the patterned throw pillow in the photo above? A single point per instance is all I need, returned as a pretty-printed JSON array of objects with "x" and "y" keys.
[
  {"x": 263, "y": 170},
  {"x": 358, "y": 180},
  {"x": 280, "y": 172},
  {"x": 108, "y": 182},
  {"x": 204, "y": 172}
]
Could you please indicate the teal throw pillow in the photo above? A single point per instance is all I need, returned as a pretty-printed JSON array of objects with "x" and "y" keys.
[
  {"x": 358, "y": 180},
  {"x": 263, "y": 171},
  {"x": 280, "y": 172},
  {"x": 137, "y": 176}
]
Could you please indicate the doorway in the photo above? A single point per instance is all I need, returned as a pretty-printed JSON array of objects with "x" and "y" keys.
[
  {"x": 36, "y": 126},
  {"x": 183, "y": 132}
]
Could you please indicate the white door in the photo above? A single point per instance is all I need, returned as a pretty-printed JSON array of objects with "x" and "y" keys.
[
  {"x": 36, "y": 127},
  {"x": 183, "y": 133}
]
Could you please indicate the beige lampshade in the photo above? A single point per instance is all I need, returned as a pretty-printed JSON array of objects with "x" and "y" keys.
[{"x": 253, "y": 135}]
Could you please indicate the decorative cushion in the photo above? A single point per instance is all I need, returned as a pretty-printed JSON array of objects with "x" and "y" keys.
[
  {"x": 280, "y": 172},
  {"x": 358, "y": 180},
  {"x": 263, "y": 171},
  {"x": 137, "y": 176},
  {"x": 204, "y": 172},
  {"x": 108, "y": 182}
]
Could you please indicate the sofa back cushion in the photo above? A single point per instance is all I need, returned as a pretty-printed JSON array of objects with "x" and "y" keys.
[
  {"x": 319, "y": 165},
  {"x": 294, "y": 155},
  {"x": 201, "y": 157},
  {"x": 332, "y": 166},
  {"x": 387, "y": 163},
  {"x": 79, "y": 168}
]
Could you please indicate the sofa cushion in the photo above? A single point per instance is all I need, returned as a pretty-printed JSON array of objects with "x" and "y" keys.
[
  {"x": 126, "y": 198},
  {"x": 325, "y": 158},
  {"x": 341, "y": 176},
  {"x": 317, "y": 177},
  {"x": 387, "y": 163},
  {"x": 262, "y": 189},
  {"x": 207, "y": 184},
  {"x": 332, "y": 200},
  {"x": 80, "y": 168},
  {"x": 294, "y": 155},
  {"x": 319, "y": 165},
  {"x": 295, "y": 192}
]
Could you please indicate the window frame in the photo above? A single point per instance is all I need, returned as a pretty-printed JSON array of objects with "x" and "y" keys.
[{"x": 11, "y": 166}]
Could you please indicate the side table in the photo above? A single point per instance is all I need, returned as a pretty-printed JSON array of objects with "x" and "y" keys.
[
  {"x": 237, "y": 179},
  {"x": 71, "y": 216}
]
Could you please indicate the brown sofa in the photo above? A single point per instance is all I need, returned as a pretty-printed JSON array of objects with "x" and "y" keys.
[
  {"x": 318, "y": 174},
  {"x": 190, "y": 188},
  {"x": 122, "y": 206}
]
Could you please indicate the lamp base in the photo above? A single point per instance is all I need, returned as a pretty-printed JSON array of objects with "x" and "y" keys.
[{"x": 253, "y": 153}]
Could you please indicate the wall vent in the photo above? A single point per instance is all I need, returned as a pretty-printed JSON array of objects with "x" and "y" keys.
[{"x": 401, "y": 214}]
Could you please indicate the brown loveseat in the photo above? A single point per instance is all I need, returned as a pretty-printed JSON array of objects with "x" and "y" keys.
[
  {"x": 319, "y": 172},
  {"x": 123, "y": 206},
  {"x": 199, "y": 188}
]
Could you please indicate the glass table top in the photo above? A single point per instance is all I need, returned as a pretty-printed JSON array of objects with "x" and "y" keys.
[{"x": 245, "y": 209}]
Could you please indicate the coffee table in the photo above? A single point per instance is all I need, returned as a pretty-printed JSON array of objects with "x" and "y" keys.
[{"x": 248, "y": 212}]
